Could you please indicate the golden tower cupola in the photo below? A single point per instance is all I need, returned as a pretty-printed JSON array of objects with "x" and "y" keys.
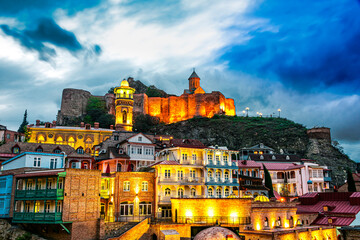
[{"x": 124, "y": 102}]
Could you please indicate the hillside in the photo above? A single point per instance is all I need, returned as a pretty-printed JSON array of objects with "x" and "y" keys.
[{"x": 278, "y": 133}]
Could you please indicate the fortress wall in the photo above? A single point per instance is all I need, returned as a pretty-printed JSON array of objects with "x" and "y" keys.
[
  {"x": 319, "y": 133},
  {"x": 230, "y": 107},
  {"x": 155, "y": 106},
  {"x": 141, "y": 104}
]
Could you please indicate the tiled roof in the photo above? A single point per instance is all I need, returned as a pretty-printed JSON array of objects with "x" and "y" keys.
[
  {"x": 194, "y": 75},
  {"x": 112, "y": 152},
  {"x": 336, "y": 221},
  {"x": 187, "y": 143},
  {"x": 269, "y": 165}
]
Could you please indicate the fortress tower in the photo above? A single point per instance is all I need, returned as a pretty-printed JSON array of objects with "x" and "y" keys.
[
  {"x": 194, "y": 84},
  {"x": 124, "y": 102}
]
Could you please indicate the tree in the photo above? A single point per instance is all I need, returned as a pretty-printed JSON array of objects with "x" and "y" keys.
[
  {"x": 24, "y": 124},
  {"x": 96, "y": 112},
  {"x": 268, "y": 182},
  {"x": 350, "y": 181},
  {"x": 144, "y": 122}
]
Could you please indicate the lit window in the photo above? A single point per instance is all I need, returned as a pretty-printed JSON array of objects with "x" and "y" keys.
[
  {"x": 126, "y": 209},
  {"x": 127, "y": 186},
  {"x": 167, "y": 173},
  {"x": 209, "y": 157},
  {"x": 16, "y": 150},
  {"x": 180, "y": 175},
  {"x": 180, "y": 192},
  {"x": 278, "y": 222},
  {"x": 227, "y": 192},
  {"x": 193, "y": 192},
  {"x": 326, "y": 208},
  {"x": 194, "y": 157},
  {"x": 144, "y": 186},
  {"x": 167, "y": 192},
  {"x": 192, "y": 173},
  {"x": 226, "y": 176},
  {"x": 218, "y": 192},
  {"x": 184, "y": 156},
  {"x": 225, "y": 158},
  {"x": 266, "y": 223},
  {"x": 145, "y": 208},
  {"x": 210, "y": 192}
]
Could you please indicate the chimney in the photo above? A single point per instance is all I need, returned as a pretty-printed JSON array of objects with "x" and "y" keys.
[
  {"x": 38, "y": 122},
  {"x": 82, "y": 124},
  {"x": 54, "y": 123},
  {"x": 112, "y": 127},
  {"x": 96, "y": 125}
]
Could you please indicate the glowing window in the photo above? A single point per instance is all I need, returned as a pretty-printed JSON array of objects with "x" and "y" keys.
[
  {"x": 218, "y": 192},
  {"x": 180, "y": 192},
  {"x": 193, "y": 192},
  {"x": 144, "y": 186},
  {"x": 210, "y": 192},
  {"x": 167, "y": 192},
  {"x": 126, "y": 186}
]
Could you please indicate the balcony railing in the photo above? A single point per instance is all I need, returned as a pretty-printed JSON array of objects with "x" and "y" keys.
[
  {"x": 221, "y": 164},
  {"x": 39, "y": 193},
  {"x": 182, "y": 180},
  {"x": 105, "y": 193},
  {"x": 216, "y": 180},
  {"x": 214, "y": 220},
  {"x": 192, "y": 162},
  {"x": 37, "y": 217}
]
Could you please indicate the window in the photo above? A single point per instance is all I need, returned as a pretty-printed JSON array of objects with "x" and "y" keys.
[
  {"x": 167, "y": 173},
  {"x": 180, "y": 174},
  {"x": 210, "y": 192},
  {"x": 85, "y": 165},
  {"x": 193, "y": 192},
  {"x": 80, "y": 150},
  {"x": 50, "y": 183},
  {"x": 217, "y": 158},
  {"x": 148, "y": 151},
  {"x": 8, "y": 136},
  {"x": 57, "y": 151},
  {"x": 126, "y": 209},
  {"x": 225, "y": 158},
  {"x": 39, "y": 149},
  {"x": 180, "y": 192},
  {"x": 184, "y": 156},
  {"x": 37, "y": 161},
  {"x": 218, "y": 176},
  {"x": 253, "y": 173},
  {"x": 2, "y": 184},
  {"x": 218, "y": 192},
  {"x": 27, "y": 207},
  {"x": 139, "y": 150},
  {"x": 61, "y": 183},
  {"x": 126, "y": 186},
  {"x": 16, "y": 150},
  {"x": 47, "y": 207},
  {"x": 73, "y": 165},
  {"x": 59, "y": 207},
  {"x": 118, "y": 167},
  {"x": 145, "y": 208},
  {"x": 139, "y": 139},
  {"x": 266, "y": 222},
  {"x": 227, "y": 192},
  {"x": 209, "y": 157},
  {"x": 210, "y": 174},
  {"x": 192, "y": 173},
  {"x": 194, "y": 157},
  {"x": 53, "y": 162},
  {"x": 132, "y": 150},
  {"x": 278, "y": 222},
  {"x": 166, "y": 212},
  {"x": 116, "y": 137},
  {"x": 226, "y": 176},
  {"x": 29, "y": 185},
  {"x": 167, "y": 192},
  {"x": 144, "y": 186}
]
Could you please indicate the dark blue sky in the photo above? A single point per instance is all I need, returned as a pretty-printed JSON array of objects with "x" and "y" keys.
[{"x": 300, "y": 56}]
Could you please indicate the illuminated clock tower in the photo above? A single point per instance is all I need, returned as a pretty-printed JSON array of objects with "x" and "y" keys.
[{"x": 124, "y": 102}]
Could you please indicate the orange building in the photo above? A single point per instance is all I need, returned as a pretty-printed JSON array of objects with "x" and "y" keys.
[{"x": 193, "y": 102}]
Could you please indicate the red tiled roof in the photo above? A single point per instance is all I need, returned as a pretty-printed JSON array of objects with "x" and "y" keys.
[
  {"x": 342, "y": 207},
  {"x": 336, "y": 221},
  {"x": 269, "y": 165}
]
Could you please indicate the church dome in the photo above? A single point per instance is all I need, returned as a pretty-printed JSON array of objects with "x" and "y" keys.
[
  {"x": 124, "y": 83},
  {"x": 216, "y": 233}
]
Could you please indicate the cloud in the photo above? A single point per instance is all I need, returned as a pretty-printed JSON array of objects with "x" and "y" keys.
[
  {"x": 313, "y": 46},
  {"x": 47, "y": 31}
]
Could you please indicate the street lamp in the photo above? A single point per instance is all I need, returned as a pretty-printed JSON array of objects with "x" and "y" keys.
[
  {"x": 279, "y": 110},
  {"x": 260, "y": 114},
  {"x": 243, "y": 112},
  {"x": 247, "y": 111}
]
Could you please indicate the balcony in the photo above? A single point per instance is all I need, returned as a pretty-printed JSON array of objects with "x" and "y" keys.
[
  {"x": 215, "y": 220},
  {"x": 222, "y": 164},
  {"x": 182, "y": 180},
  {"x": 192, "y": 162},
  {"x": 40, "y": 193},
  {"x": 37, "y": 217},
  {"x": 105, "y": 193},
  {"x": 222, "y": 181}
]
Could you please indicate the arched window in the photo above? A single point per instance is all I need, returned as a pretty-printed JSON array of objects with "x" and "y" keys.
[
  {"x": 180, "y": 192},
  {"x": 126, "y": 208},
  {"x": 41, "y": 139},
  {"x": 210, "y": 192},
  {"x": 218, "y": 176},
  {"x": 193, "y": 192},
  {"x": 145, "y": 208},
  {"x": 59, "y": 140},
  {"x": 132, "y": 167},
  {"x": 16, "y": 150},
  {"x": 80, "y": 150},
  {"x": 118, "y": 167},
  {"x": 71, "y": 141},
  {"x": 280, "y": 175},
  {"x": 210, "y": 174},
  {"x": 167, "y": 192},
  {"x": 124, "y": 113},
  {"x": 226, "y": 175},
  {"x": 278, "y": 222},
  {"x": 39, "y": 149},
  {"x": 227, "y": 192},
  {"x": 218, "y": 192},
  {"x": 266, "y": 222}
]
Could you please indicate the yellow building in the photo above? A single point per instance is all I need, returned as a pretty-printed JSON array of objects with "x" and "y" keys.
[
  {"x": 82, "y": 138},
  {"x": 124, "y": 102}
]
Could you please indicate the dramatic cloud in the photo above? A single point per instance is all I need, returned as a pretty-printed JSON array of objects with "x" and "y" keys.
[{"x": 300, "y": 56}]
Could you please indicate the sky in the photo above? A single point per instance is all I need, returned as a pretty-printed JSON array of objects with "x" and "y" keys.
[{"x": 300, "y": 56}]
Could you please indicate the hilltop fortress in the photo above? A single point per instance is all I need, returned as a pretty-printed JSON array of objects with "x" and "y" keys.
[{"x": 193, "y": 102}]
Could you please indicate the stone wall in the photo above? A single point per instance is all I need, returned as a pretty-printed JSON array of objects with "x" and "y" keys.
[
  {"x": 87, "y": 230},
  {"x": 135, "y": 232},
  {"x": 319, "y": 133}
]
